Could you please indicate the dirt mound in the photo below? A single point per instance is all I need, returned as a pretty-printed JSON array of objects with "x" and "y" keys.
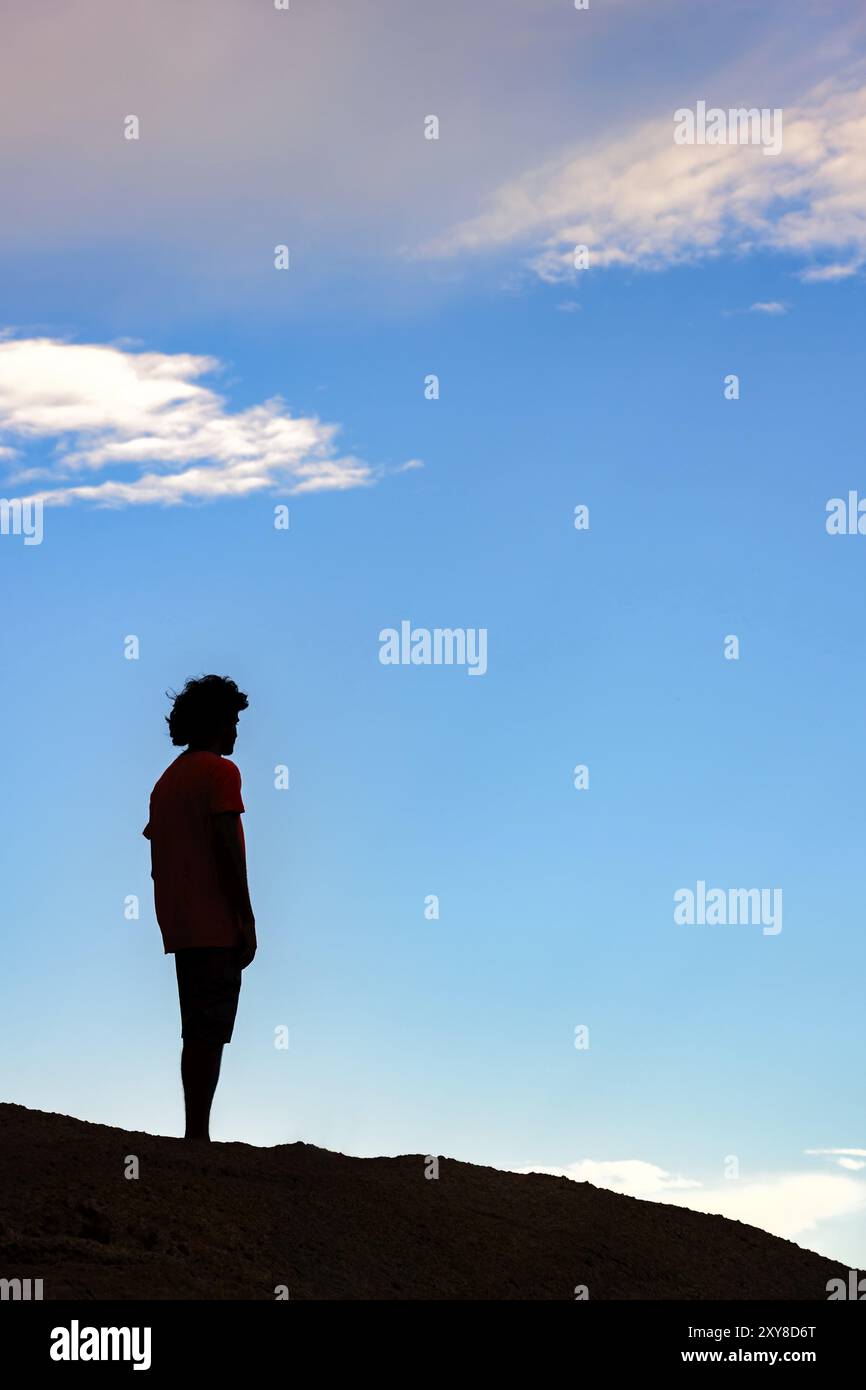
[{"x": 236, "y": 1222}]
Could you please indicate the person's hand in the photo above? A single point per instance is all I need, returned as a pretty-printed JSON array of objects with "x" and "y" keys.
[{"x": 249, "y": 947}]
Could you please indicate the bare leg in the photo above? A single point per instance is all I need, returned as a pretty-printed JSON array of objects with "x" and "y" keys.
[{"x": 199, "y": 1070}]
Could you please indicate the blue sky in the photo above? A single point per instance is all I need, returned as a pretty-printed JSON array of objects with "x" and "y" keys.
[{"x": 605, "y": 647}]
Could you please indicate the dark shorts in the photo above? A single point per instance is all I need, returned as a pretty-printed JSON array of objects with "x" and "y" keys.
[{"x": 208, "y": 985}]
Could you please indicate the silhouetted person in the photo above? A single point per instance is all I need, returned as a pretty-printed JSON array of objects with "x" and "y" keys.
[{"x": 198, "y": 866}]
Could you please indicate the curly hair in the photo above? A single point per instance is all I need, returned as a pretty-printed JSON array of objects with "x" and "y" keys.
[{"x": 203, "y": 708}]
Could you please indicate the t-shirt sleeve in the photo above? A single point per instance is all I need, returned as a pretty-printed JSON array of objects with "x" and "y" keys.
[{"x": 225, "y": 788}]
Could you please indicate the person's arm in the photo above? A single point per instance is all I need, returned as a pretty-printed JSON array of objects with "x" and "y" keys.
[
  {"x": 146, "y": 833},
  {"x": 230, "y": 852}
]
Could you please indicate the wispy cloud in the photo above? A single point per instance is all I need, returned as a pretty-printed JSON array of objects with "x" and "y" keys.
[
  {"x": 852, "y": 1159},
  {"x": 770, "y": 306},
  {"x": 147, "y": 413},
  {"x": 632, "y": 1176},
  {"x": 641, "y": 200},
  {"x": 819, "y": 274},
  {"x": 785, "y": 1204}
]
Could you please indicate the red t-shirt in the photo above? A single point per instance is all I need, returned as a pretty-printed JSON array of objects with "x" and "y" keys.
[{"x": 192, "y": 906}]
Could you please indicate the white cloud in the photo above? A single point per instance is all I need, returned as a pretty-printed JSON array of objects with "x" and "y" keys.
[
  {"x": 103, "y": 407},
  {"x": 630, "y": 1175},
  {"x": 641, "y": 200},
  {"x": 785, "y": 1204},
  {"x": 772, "y": 306},
  {"x": 861, "y": 1153},
  {"x": 817, "y": 275},
  {"x": 851, "y": 1159}
]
